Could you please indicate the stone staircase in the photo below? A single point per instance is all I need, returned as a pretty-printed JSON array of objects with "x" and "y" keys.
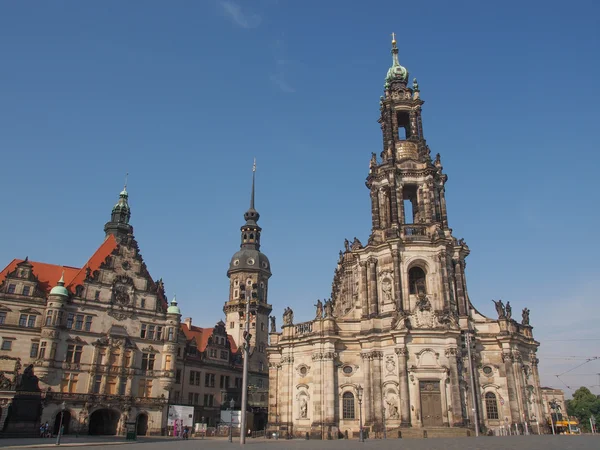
[{"x": 429, "y": 432}]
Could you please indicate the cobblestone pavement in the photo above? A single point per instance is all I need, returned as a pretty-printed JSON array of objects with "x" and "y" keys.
[{"x": 481, "y": 443}]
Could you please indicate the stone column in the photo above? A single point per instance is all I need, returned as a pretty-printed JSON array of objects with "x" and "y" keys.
[
  {"x": 402, "y": 353},
  {"x": 426, "y": 203},
  {"x": 367, "y": 392},
  {"x": 537, "y": 400},
  {"x": 460, "y": 296},
  {"x": 455, "y": 400},
  {"x": 376, "y": 383},
  {"x": 400, "y": 199},
  {"x": 443, "y": 206},
  {"x": 511, "y": 385},
  {"x": 397, "y": 279},
  {"x": 414, "y": 128},
  {"x": 517, "y": 367},
  {"x": 364, "y": 286},
  {"x": 419, "y": 122},
  {"x": 373, "y": 297},
  {"x": 393, "y": 202},
  {"x": 375, "y": 208},
  {"x": 444, "y": 276},
  {"x": 329, "y": 390}
]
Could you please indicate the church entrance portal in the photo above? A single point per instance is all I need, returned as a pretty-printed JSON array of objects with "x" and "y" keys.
[
  {"x": 104, "y": 421},
  {"x": 142, "y": 425},
  {"x": 66, "y": 420},
  {"x": 431, "y": 403}
]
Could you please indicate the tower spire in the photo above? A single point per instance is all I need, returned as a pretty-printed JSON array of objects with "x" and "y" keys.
[
  {"x": 125, "y": 186},
  {"x": 120, "y": 215},
  {"x": 253, "y": 180},
  {"x": 396, "y": 72}
]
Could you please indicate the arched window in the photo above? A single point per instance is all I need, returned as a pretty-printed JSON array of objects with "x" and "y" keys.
[
  {"x": 491, "y": 405},
  {"x": 416, "y": 281},
  {"x": 348, "y": 405}
]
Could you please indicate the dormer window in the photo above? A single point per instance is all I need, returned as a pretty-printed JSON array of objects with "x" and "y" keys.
[
  {"x": 26, "y": 290},
  {"x": 12, "y": 288}
]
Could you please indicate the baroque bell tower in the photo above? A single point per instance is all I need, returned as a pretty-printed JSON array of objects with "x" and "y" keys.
[{"x": 249, "y": 273}]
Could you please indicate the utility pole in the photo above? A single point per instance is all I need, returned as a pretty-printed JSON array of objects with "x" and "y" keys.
[
  {"x": 246, "y": 349},
  {"x": 475, "y": 415}
]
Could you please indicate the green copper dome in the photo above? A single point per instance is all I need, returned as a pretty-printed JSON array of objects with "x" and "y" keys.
[
  {"x": 173, "y": 309},
  {"x": 396, "y": 72},
  {"x": 60, "y": 289}
]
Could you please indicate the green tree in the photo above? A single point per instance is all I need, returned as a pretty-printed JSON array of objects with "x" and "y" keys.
[{"x": 583, "y": 405}]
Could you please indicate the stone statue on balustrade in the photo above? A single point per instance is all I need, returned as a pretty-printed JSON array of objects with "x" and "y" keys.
[
  {"x": 288, "y": 316},
  {"x": 500, "y": 309},
  {"x": 319, "y": 314},
  {"x": 525, "y": 320},
  {"x": 328, "y": 309},
  {"x": 273, "y": 327}
]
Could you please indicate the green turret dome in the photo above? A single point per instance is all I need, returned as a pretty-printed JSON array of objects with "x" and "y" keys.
[
  {"x": 60, "y": 288},
  {"x": 396, "y": 72},
  {"x": 173, "y": 309}
]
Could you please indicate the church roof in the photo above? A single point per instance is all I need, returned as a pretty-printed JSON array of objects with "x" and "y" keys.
[
  {"x": 49, "y": 274},
  {"x": 201, "y": 336}
]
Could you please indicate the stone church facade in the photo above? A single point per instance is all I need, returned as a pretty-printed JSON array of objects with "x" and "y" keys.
[{"x": 400, "y": 322}]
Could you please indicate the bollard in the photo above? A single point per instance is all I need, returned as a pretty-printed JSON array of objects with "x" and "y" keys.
[
  {"x": 306, "y": 436},
  {"x": 425, "y": 433},
  {"x": 399, "y": 434},
  {"x": 346, "y": 434}
]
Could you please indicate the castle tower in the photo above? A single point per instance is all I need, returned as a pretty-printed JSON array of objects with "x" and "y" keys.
[
  {"x": 118, "y": 225},
  {"x": 249, "y": 271}
]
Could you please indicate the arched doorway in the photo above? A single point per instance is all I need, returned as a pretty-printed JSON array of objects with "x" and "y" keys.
[
  {"x": 142, "y": 424},
  {"x": 66, "y": 420},
  {"x": 104, "y": 421}
]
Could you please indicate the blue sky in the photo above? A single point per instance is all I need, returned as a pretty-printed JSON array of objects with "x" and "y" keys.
[{"x": 183, "y": 95}]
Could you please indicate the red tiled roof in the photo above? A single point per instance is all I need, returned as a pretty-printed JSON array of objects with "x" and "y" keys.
[
  {"x": 49, "y": 274},
  {"x": 109, "y": 244},
  {"x": 201, "y": 335}
]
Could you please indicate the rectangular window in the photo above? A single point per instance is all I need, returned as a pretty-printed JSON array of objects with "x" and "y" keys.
[
  {"x": 111, "y": 385},
  {"x": 224, "y": 382},
  {"x": 224, "y": 354},
  {"x": 198, "y": 376},
  {"x": 191, "y": 398},
  {"x": 145, "y": 388},
  {"x": 26, "y": 290},
  {"x": 6, "y": 344},
  {"x": 31, "y": 322},
  {"x": 23, "y": 320},
  {"x": 159, "y": 331},
  {"x": 213, "y": 353},
  {"x": 122, "y": 386},
  {"x": 192, "y": 376},
  {"x": 143, "y": 332},
  {"x": 127, "y": 360},
  {"x": 176, "y": 397},
  {"x": 347, "y": 405},
  {"x": 68, "y": 384},
  {"x": 11, "y": 288},
  {"x": 170, "y": 335},
  {"x": 42, "y": 354},
  {"x": 70, "y": 318},
  {"x": 53, "y": 351},
  {"x": 143, "y": 303},
  {"x": 79, "y": 322},
  {"x": 88, "y": 323},
  {"x": 2, "y": 318},
  {"x": 97, "y": 295},
  {"x": 147, "y": 361},
  {"x": 59, "y": 318},
  {"x": 209, "y": 399},
  {"x": 196, "y": 399},
  {"x": 150, "y": 332},
  {"x": 97, "y": 384},
  {"x": 178, "y": 376},
  {"x": 33, "y": 352},
  {"x": 167, "y": 362},
  {"x": 209, "y": 380}
]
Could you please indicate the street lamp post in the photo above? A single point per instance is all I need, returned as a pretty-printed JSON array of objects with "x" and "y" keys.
[
  {"x": 249, "y": 292},
  {"x": 359, "y": 393},
  {"x": 63, "y": 406},
  {"x": 231, "y": 405}
]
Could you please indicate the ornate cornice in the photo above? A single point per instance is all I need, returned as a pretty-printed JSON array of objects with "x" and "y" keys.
[{"x": 324, "y": 356}]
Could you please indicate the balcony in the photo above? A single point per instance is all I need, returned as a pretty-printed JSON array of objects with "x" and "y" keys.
[
  {"x": 102, "y": 399},
  {"x": 414, "y": 232}
]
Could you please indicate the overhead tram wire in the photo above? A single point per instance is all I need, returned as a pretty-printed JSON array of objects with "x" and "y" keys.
[{"x": 576, "y": 367}]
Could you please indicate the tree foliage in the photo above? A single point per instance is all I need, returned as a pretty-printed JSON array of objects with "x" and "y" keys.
[{"x": 583, "y": 405}]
